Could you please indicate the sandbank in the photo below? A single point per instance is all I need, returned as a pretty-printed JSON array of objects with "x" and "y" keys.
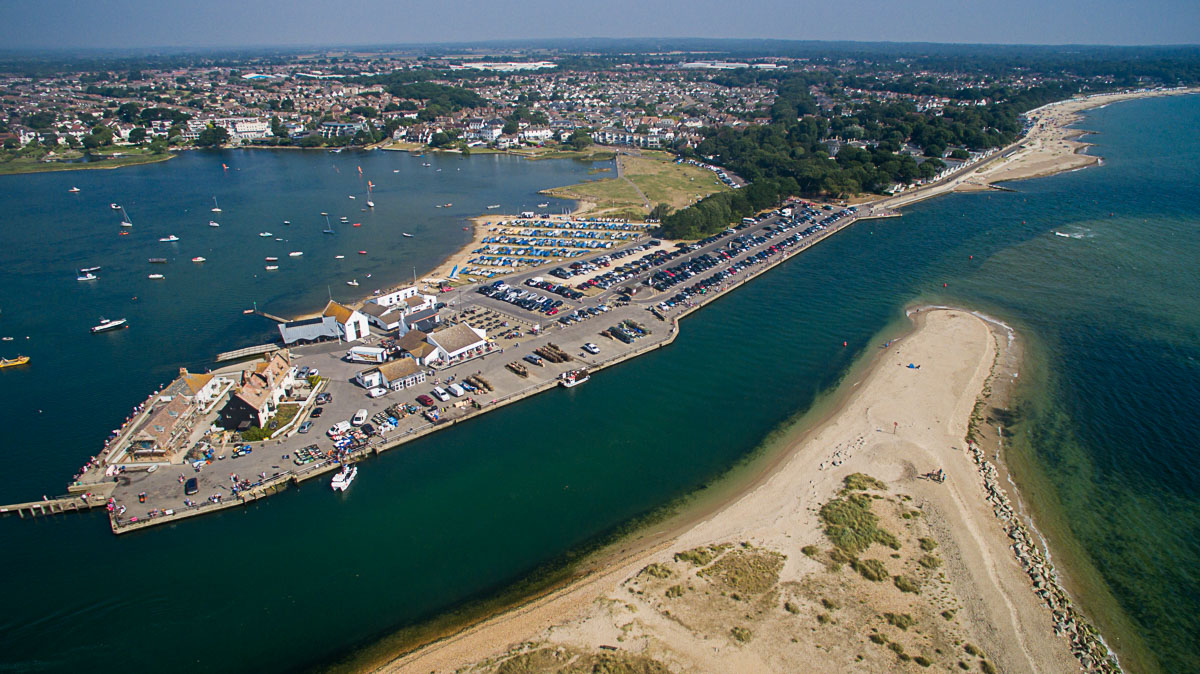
[{"x": 895, "y": 423}]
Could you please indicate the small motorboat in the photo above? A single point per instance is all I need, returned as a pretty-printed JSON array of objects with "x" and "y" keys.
[
  {"x": 198, "y": 259},
  {"x": 362, "y": 252},
  {"x": 272, "y": 259},
  {"x": 493, "y": 206},
  {"x": 344, "y": 477},
  {"x": 324, "y": 213},
  {"x": 169, "y": 239},
  {"x": 296, "y": 253},
  {"x": 13, "y": 362},
  {"x": 122, "y": 233},
  {"x": 339, "y": 257},
  {"x": 157, "y": 260},
  {"x": 543, "y": 205},
  {"x": 287, "y": 222},
  {"x": 353, "y": 197},
  {"x": 73, "y": 190},
  {"x": 85, "y": 276},
  {"x": 115, "y": 206},
  {"x": 85, "y": 270},
  {"x": 358, "y": 224},
  {"x": 213, "y": 223},
  {"x": 406, "y": 235},
  {"x": 352, "y": 283},
  {"x": 156, "y": 277},
  {"x": 265, "y": 234},
  {"x": 272, "y": 267}
]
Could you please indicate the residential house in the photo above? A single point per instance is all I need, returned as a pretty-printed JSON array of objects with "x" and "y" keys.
[{"x": 259, "y": 392}]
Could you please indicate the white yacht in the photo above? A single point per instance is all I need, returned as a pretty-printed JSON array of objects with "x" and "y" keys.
[
  {"x": 344, "y": 477},
  {"x": 169, "y": 239},
  {"x": 85, "y": 276},
  {"x": 265, "y": 235},
  {"x": 106, "y": 325}
]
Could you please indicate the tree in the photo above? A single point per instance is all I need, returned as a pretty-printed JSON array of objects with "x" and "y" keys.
[
  {"x": 213, "y": 136},
  {"x": 511, "y": 128},
  {"x": 659, "y": 212},
  {"x": 128, "y": 112},
  {"x": 579, "y": 139},
  {"x": 158, "y": 145},
  {"x": 277, "y": 127},
  {"x": 137, "y": 135},
  {"x": 312, "y": 140}
]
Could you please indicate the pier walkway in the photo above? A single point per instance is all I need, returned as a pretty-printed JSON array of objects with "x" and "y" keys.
[
  {"x": 247, "y": 352},
  {"x": 96, "y": 497}
]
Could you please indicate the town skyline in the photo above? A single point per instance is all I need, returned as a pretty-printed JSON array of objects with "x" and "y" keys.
[{"x": 140, "y": 24}]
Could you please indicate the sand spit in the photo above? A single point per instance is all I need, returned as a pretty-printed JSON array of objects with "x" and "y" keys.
[{"x": 761, "y": 586}]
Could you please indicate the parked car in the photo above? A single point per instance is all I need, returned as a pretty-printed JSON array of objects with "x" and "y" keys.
[
  {"x": 368, "y": 429},
  {"x": 314, "y": 372},
  {"x": 305, "y": 427},
  {"x": 359, "y": 418},
  {"x": 591, "y": 348},
  {"x": 426, "y": 400},
  {"x": 302, "y": 372},
  {"x": 191, "y": 486},
  {"x": 440, "y": 393},
  {"x": 316, "y": 413}
]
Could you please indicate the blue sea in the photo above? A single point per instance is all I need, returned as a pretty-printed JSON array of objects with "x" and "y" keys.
[{"x": 1109, "y": 395}]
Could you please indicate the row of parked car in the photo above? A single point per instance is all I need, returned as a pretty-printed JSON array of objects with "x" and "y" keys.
[
  {"x": 565, "y": 291},
  {"x": 582, "y": 314},
  {"x": 526, "y": 299},
  {"x": 576, "y": 268}
]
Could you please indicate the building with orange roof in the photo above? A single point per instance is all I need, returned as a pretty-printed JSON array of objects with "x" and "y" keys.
[{"x": 352, "y": 324}]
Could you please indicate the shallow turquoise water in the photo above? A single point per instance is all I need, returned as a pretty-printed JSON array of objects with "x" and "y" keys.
[{"x": 305, "y": 576}]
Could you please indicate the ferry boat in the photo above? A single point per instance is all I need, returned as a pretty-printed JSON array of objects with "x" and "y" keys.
[
  {"x": 573, "y": 378},
  {"x": 85, "y": 276},
  {"x": 199, "y": 259},
  {"x": 13, "y": 362},
  {"x": 106, "y": 325},
  {"x": 344, "y": 477},
  {"x": 169, "y": 239},
  {"x": 213, "y": 223},
  {"x": 156, "y": 277}
]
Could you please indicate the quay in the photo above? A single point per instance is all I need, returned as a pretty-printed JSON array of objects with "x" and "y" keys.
[{"x": 70, "y": 503}]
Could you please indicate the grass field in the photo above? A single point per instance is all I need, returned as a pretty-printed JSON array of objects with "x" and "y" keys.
[
  {"x": 665, "y": 182},
  {"x": 655, "y": 174},
  {"x": 130, "y": 157}
]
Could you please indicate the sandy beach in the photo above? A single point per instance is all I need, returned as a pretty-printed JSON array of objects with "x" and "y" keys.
[{"x": 754, "y": 587}]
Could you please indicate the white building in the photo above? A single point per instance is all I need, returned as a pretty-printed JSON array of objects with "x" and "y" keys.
[
  {"x": 352, "y": 324},
  {"x": 457, "y": 341},
  {"x": 396, "y": 375}
]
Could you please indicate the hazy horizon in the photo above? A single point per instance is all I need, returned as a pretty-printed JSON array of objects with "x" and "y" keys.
[{"x": 219, "y": 24}]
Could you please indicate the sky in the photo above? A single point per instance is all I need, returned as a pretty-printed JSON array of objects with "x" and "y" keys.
[{"x": 68, "y": 24}]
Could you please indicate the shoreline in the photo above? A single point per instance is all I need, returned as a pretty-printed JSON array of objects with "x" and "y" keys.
[
  {"x": 1061, "y": 124},
  {"x": 568, "y": 616}
]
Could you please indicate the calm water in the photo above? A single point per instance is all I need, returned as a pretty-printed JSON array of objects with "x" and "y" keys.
[{"x": 306, "y": 576}]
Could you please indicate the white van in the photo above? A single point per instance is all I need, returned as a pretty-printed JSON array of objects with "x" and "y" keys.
[
  {"x": 360, "y": 418},
  {"x": 338, "y": 428},
  {"x": 456, "y": 390},
  {"x": 440, "y": 393}
]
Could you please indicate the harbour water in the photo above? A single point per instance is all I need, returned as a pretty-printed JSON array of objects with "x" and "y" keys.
[{"x": 307, "y": 576}]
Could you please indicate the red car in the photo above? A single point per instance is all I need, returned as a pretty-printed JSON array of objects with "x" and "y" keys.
[{"x": 426, "y": 401}]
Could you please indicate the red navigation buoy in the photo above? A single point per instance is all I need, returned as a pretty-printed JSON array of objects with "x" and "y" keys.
[
  {"x": 943, "y": 285},
  {"x": 972, "y": 257},
  {"x": 843, "y": 343}
]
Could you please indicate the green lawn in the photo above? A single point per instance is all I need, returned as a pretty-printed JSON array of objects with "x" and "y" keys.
[
  {"x": 664, "y": 181},
  {"x": 131, "y": 156}
]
